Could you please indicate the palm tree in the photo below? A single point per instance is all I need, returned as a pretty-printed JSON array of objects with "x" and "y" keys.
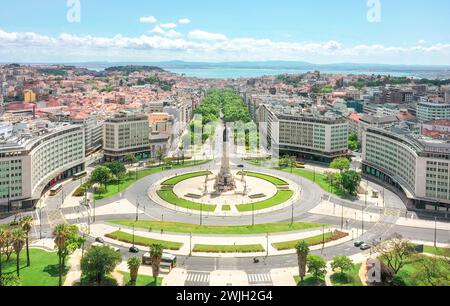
[
  {"x": 156, "y": 252},
  {"x": 61, "y": 234},
  {"x": 26, "y": 223},
  {"x": 302, "y": 249},
  {"x": 19, "y": 241},
  {"x": 133, "y": 264}
]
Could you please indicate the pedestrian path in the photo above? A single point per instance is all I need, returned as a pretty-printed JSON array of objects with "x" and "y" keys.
[
  {"x": 197, "y": 279},
  {"x": 260, "y": 279}
]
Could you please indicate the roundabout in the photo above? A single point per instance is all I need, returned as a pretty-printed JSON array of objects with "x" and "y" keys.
[{"x": 254, "y": 193}]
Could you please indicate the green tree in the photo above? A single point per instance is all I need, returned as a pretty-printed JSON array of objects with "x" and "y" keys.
[
  {"x": 353, "y": 142},
  {"x": 131, "y": 158},
  {"x": 395, "y": 252},
  {"x": 350, "y": 181},
  {"x": 156, "y": 252},
  {"x": 8, "y": 240},
  {"x": 302, "y": 249},
  {"x": 433, "y": 271},
  {"x": 19, "y": 238},
  {"x": 99, "y": 262},
  {"x": 133, "y": 265},
  {"x": 316, "y": 266},
  {"x": 66, "y": 240},
  {"x": 26, "y": 223},
  {"x": 101, "y": 175},
  {"x": 341, "y": 164},
  {"x": 117, "y": 168},
  {"x": 342, "y": 263}
]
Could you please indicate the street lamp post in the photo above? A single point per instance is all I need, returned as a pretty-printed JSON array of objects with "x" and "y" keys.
[
  {"x": 40, "y": 222},
  {"x": 267, "y": 245},
  {"x": 323, "y": 236},
  {"x": 133, "y": 236},
  {"x": 190, "y": 244},
  {"x": 62, "y": 197},
  {"x": 342, "y": 217},
  {"x": 292, "y": 213},
  {"x": 137, "y": 210},
  {"x": 253, "y": 214},
  {"x": 93, "y": 200},
  {"x": 201, "y": 214},
  {"x": 362, "y": 221},
  {"x": 435, "y": 231}
]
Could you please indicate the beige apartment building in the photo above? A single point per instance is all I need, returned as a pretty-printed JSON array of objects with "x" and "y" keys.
[
  {"x": 126, "y": 134},
  {"x": 309, "y": 137}
]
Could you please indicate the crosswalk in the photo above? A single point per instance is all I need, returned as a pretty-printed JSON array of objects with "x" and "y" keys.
[
  {"x": 197, "y": 279},
  {"x": 392, "y": 212},
  {"x": 259, "y": 279}
]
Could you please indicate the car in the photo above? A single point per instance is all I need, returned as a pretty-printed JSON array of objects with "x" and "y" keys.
[
  {"x": 99, "y": 240},
  {"x": 358, "y": 243},
  {"x": 134, "y": 250},
  {"x": 364, "y": 247}
]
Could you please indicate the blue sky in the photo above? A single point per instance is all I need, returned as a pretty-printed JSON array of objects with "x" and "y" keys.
[{"x": 320, "y": 31}]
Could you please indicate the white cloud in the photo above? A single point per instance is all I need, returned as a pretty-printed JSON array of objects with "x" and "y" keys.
[
  {"x": 148, "y": 19},
  {"x": 168, "y": 44},
  {"x": 168, "y": 33},
  {"x": 168, "y": 25},
  {"x": 203, "y": 35},
  {"x": 422, "y": 42},
  {"x": 184, "y": 21}
]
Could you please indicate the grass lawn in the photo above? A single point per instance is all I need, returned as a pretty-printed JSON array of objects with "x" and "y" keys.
[
  {"x": 170, "y": 197},
  {"x": 113, "y": 188},
  {"x": 253, "y": 248},
  {"x": 309, "y": 281},
  {"x": 318, "y": 178},
  {"x": 174, "y": 227},
  {"x": 143, "y": 241},
  {"x": 311, "y": 241},
  {"x": 42, "y": 272},
  {"x": 175, "y": 180},
  {"x": 226, "y": 208},
  {"x": 272, "y": 179},
  {"x": 142, "y": 280},
  {"x": 280, "y": 197},
  {"x": 351, "y": 278},
  {"x": 436, "y": 251}
]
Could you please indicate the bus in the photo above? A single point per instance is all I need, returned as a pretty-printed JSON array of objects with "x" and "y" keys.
[
  {"x": 78, "y": 176},
  {"x": 168, "y": 261},
  {"x": 55, "y": 190}
]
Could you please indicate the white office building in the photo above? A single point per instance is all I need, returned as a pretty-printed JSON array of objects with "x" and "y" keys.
[{"x": 34, "y": 160}]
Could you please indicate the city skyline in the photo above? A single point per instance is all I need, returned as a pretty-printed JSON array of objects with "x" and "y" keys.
[{"x": 379, "y": 32}]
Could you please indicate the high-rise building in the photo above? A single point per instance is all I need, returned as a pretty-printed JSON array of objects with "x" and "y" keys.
[
  {"x": 309, "y": 137},
  {"x": 428, "y": 111},
  {"x": 418, "y": 169},
  {"x": 29, "y": 96},
  {"x": 126, "y": 134},
  {"x": 32, "y": 162}
]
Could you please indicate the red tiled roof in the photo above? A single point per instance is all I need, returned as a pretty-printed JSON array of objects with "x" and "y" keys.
[{"x": 355, "y": 116}]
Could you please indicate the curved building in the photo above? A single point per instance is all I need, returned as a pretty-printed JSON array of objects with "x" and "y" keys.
[
  {"x": 418, "y": 168},
  {"x": 31, "y": 163}
]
